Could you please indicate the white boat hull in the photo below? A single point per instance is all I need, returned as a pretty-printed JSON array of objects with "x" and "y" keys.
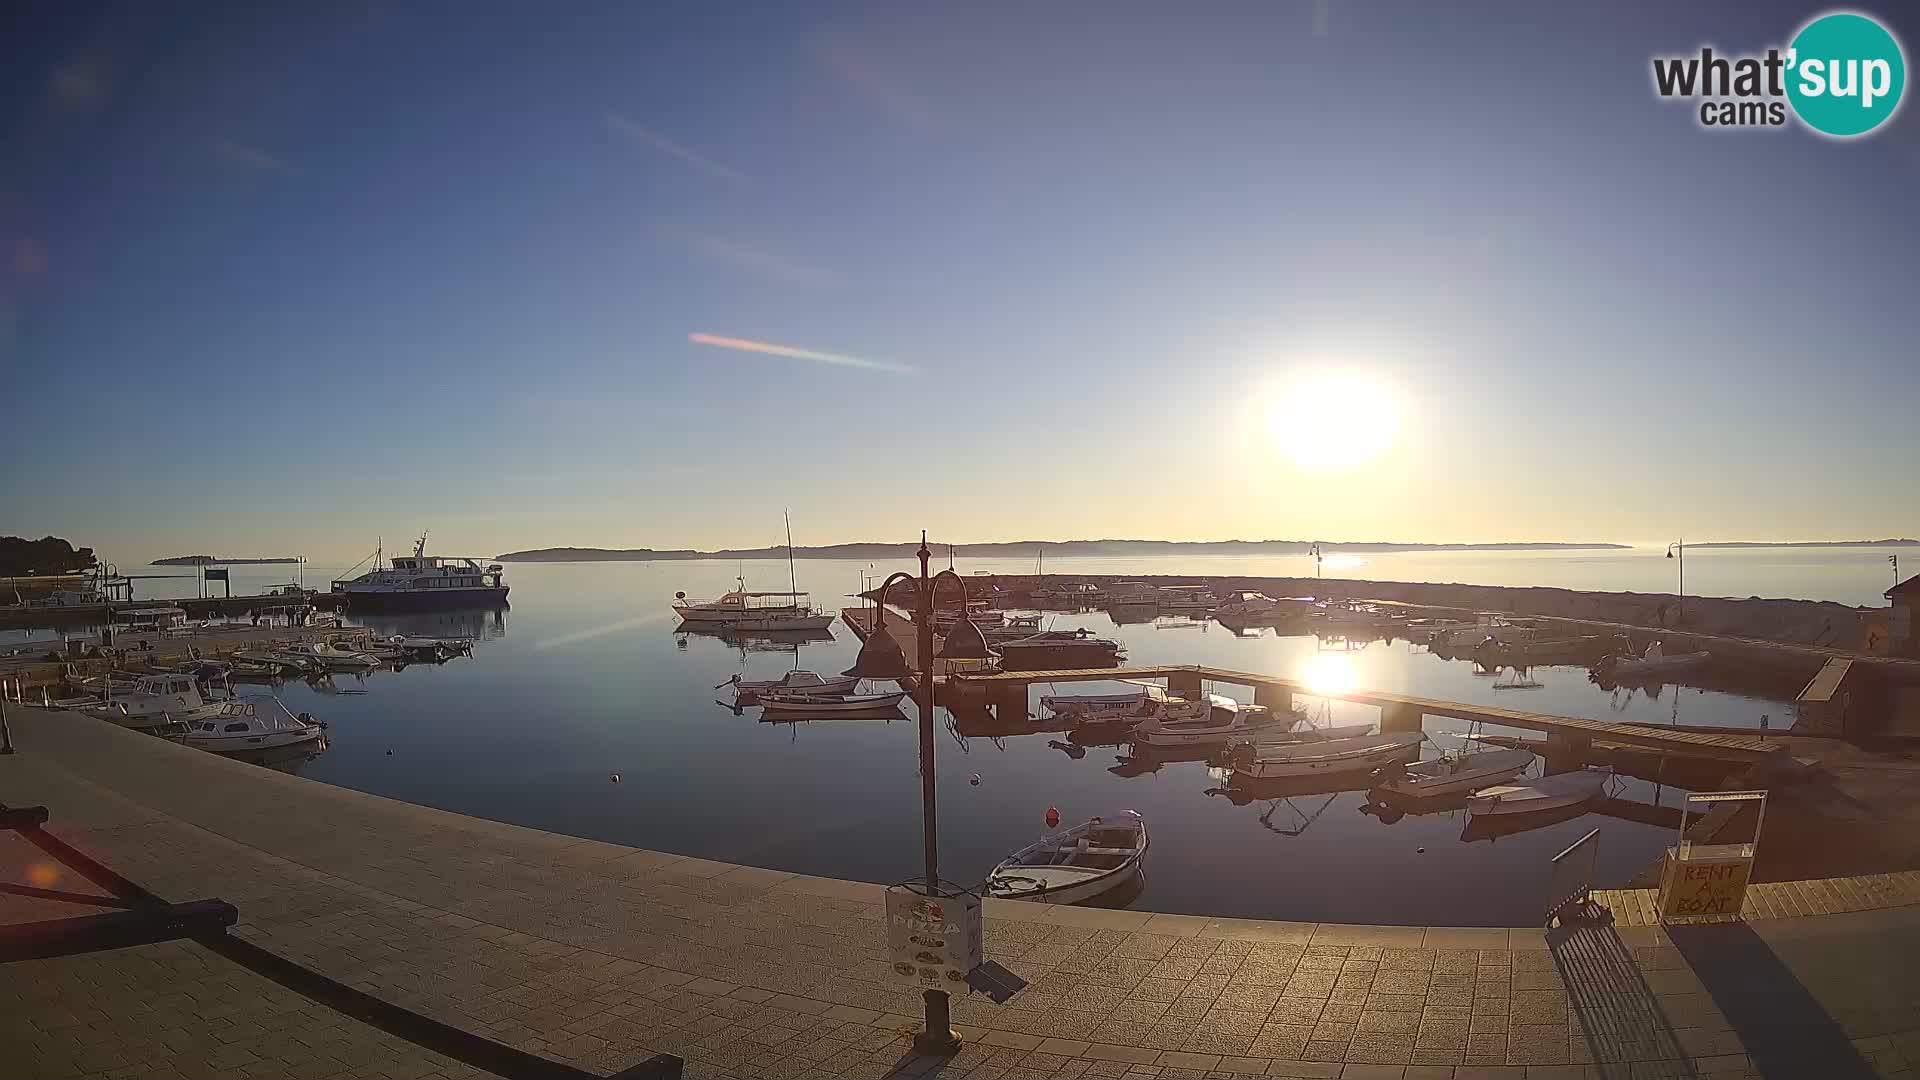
[
  {"x": 1548, "y": 793},
  {"x": 1483, "y": 769},
  {"x": 236, "y": 744},
  {"x": 1014, "y": 879},
  {"x": 1333, "y": 757},
  {"x": 829, "y": 705}
]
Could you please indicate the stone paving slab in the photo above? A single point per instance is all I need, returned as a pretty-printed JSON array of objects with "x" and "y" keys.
[{"x": 601, "y": 955}]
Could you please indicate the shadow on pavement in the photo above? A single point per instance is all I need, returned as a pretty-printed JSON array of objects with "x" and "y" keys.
[
  {"x": 1628, "y": 1034},
  {"x": 1786, "y": 1030}
]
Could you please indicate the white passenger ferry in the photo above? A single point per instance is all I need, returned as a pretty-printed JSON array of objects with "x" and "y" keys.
[{"x": 425, "y": 581}]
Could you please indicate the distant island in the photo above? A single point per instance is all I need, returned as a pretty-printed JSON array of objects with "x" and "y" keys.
[
  {"x": 1019, "y": 549},
  {"x": 1808, "y": 543},
  {"x": 209, "y": 560}
]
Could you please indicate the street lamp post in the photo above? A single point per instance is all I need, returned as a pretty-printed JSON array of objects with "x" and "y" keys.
[
  {"x": 1681, "y": 547},
  {"x": 881, "y": 658}
]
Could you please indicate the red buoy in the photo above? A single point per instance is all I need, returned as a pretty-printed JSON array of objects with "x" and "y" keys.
[{"x": 1053, "y": 817}]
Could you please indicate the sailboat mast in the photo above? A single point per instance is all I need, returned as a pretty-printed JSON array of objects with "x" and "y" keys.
[{"x": 793, "y": 579}]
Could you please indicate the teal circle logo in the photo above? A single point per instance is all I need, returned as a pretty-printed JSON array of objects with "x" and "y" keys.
[{"x": 1845, "y": 74}]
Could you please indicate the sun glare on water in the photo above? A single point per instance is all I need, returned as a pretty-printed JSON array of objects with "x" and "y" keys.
[
  {"x": 1335, "y": 419},
  {"x": 1330, "y": 673}
]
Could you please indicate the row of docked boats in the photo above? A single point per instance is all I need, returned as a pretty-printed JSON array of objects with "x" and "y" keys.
[{"x": 348, "y": 654}]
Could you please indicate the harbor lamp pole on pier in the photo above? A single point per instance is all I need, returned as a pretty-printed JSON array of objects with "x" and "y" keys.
[
  {"x": 1681, "y": 547},
  {"x": 881, "y": 658}
]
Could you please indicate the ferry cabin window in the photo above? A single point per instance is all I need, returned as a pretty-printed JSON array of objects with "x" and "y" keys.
[{"x": 237, "y": 726}]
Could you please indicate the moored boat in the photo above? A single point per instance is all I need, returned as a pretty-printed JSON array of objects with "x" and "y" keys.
[
  {"x": 425, "y": 581},
  {"x": 1453, "y": 773},
  {"x": 1224, "y": 721},
  {"x": 1360, "y": 754},
  {"x": 827, "y": 706},
  {"x": 1655, "y": 661},
  {"x": 1547, "y": 793},
  {"x": 1051, "y": 649},
  {"x": 251, "y": 722},
  {"x": 1071, "y": 867},
  {"x": 796, "y": 681}
]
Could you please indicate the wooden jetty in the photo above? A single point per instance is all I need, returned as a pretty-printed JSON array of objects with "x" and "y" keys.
[
  {"x": 16, "y": 616},
  {"x": 1401, "y": 712}
]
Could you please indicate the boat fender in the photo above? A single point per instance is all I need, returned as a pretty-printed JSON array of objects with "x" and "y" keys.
[{"x": 1053, "y": 817}]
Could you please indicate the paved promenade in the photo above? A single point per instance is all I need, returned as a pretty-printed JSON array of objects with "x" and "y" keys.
[{"x": 600, "y": 956}]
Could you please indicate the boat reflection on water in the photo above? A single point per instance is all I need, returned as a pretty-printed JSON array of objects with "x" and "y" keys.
[
  {"x": 1492, "y": 827},
  {"x": 477, "y": 623},
  {"x": 751, "y": 640},
  {"x": 1124, "y": 894},
  {"x": 1242, "y": 790},
  {"x": 286, "y": 759}
]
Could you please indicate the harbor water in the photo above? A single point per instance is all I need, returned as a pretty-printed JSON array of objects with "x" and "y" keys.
[{"x": 584, "y": 679}]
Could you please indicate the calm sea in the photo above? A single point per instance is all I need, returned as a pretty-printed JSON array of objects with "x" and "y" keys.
[{"x": 584, "y": 677}]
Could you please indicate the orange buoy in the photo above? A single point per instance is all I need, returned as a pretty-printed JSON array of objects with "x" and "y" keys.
[{"x": 1053, "y": 817}]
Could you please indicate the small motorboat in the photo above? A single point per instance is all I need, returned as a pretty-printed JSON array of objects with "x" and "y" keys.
[
  {"x": 1329, "y": 757},
  {"x": 1074, "y": 866},
  {"x": 1547, "y": 793},
  {"x": 1654, "y": 661},
  {"x": 331, "y": 655},
  {"x": 251, "y": 722},
  {"x": 796, "y": 681},
  {"x": 1452, "y": 773},
  {"x": 1051, "y": 649},
  {"x": 1093, "y": 708},
  {"x": 158, "y": 701},
  {"x": 1223, "y": 721},
  {"x": 414, "y": 647},
  {"x": 278, "y": 660},
  {"x": 827, "y": 706}
]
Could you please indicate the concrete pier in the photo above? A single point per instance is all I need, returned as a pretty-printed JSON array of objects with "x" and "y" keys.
[{"x": 597, "y": 955}]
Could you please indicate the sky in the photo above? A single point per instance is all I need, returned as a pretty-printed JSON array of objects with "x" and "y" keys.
[{"x": 283, "y": 280}]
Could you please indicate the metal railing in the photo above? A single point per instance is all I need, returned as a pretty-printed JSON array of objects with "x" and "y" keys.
[{"x": 1570, "y": 888}]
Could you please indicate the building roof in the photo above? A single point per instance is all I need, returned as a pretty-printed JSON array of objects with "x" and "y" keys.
[{"x": 1909, "y": 587}]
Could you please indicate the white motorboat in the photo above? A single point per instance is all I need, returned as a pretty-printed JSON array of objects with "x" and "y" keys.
[
  {"x": 1223, "y": 721},
  {"x": 1187, "y": 599},
  {"x": 1454, "y": 773},
  {"x": 156, "y": 701},
  {"x": 1247, "y": 605},
  {"x": 1654, "y": 661},
  {"x": 784, "y": 621},
  {"x": 796, "y": 681},
  {"x": 1301, "y": 731},
  {"x": 1547, "y": 793},
  {"x": 251, "y": 722},
  {"x": 1094, "y": 708},
  {"x": 428, "y": 648},
  {"x": 827, "y": 706},
  {"x": 331, "y": 655},
  {"x": 1328, "y": 757},
  {"x": 425, "y": 581},
  {"x": 278, "y": 660},
  {"x": 1074, "y": 866}
]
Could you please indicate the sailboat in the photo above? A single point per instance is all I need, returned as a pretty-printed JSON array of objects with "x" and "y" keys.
[{"x": 756, "y": 611}]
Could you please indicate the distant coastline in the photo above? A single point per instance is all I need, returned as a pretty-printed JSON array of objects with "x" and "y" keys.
[
  {"x": 1809, "y": 544},
  {"x": 1020, "y": 549},
  {"x": 209, "y": 560}
]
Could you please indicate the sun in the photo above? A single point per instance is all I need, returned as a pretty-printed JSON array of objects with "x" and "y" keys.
[
  {"x": 1335, "y": 419},
  {"x": 1330, "y": 673}
]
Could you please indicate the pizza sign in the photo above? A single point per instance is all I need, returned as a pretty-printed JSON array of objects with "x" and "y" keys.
[{"x": 933, "y": 942}]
